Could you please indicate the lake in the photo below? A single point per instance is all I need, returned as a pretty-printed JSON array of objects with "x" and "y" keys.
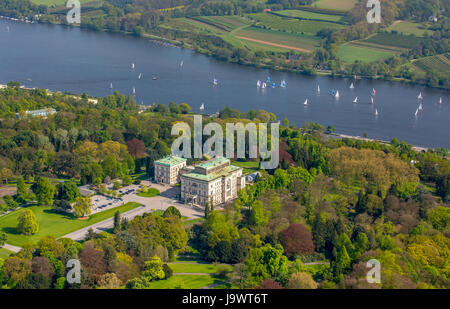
[{"x": 75, "y": 60}]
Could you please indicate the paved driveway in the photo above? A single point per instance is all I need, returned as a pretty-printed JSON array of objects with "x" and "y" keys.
[{"x": 150, "y": 204}]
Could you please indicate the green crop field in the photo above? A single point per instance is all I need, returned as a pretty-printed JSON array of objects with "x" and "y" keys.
[
  {"x": 336, "y": 5},
  {"x": 292, "y": 25},
  {"x": 350, "y": 53},
  {"x": 60, "y": 2},
  {"x": 438, "y": 63},
  {"x": 230, "y": 22},
  {"x": 311, "y": 15},
  {"x": 406, "y": 27},
  {"x": 396, "y": 40},
  {"x": 186, "y": 24},
  {"x": 53, "y": 223},
  {"x": 279, "y": 39}
]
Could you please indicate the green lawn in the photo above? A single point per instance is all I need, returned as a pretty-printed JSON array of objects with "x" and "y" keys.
[
  {"x": 53, "y": 223},
  {"x": 197, "y": 267},
  {"x": 336, "y": 5},
  {"x": 350, "y": 53},
  {"x": 151, "y": 192},
  {"x": 193, "y": 221},
  {"x": 185, "y": 282},
  {"x": 248, "y": 166},
  {"x": 406, "y": 27},
  {"x": 4, "y": 253}
]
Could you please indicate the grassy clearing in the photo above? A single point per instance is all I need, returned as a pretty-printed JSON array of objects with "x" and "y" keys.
[
  {"x": 230, "y": 22},
  {"x": 350, "y": 53},
  {"x": 406, "y": 27},
  {"x": 4, "y": 253},
  {"x": 53, "y": 223},
  {"x": 193, "y": 221},
  {"x": 185, "y": 282},
  {"x": 292, "y": 25},
  {"x": 151, "y": 192},
  {"x": 282, "y": 39},
  {"x": 248, "y": 166},
  {"x": 196, "y": 268},
  {"x": 186, "y": 24},
  {"x": 396, "y": 40},
  {"x": 336, "y": 5},
  {"x": 311, "y": 15}
]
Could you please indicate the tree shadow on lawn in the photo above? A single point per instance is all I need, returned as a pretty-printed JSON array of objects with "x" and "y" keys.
[
  {"x": 10, "y": 230},
  {"x": 62, "y": 213}
]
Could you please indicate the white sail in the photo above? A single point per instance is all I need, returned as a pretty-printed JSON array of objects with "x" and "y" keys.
[
  {"x": 440, "y": 100},
  {"x": 318, "y": 88},
  {"x": 215, "y": 82},
  {"x": 258, "y": 83},
  {"x": 181, "y": 63},
  {"x": 420, "y": 97},
  {"x": 283, "y": 84},
  {"x": 202, "y": 107},
  {"x": 371, "y": 100},
  {"x": 337, "y": 94},
  {"x": 111, "y": 86},
  {"x": 132, "y": 66},
  {"x": 417, "y": 111},
  {"x": 263, "y": 85},
  {"x": 420, "y": 107},
  {"x": 352, "y": 86},
  {"x": 376, "y": 112},
  {"x": 355, "y": 100},
  {"x": 306, "y": 102},
  {"x": 134, "y": 90},
  {"x": 140, "y": 76}
]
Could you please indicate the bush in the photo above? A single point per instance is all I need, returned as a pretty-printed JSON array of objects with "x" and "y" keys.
[
  {"x": 172, "y": 211},
  {"x": 168, "y": 272},
  {"x": 10, "y": 203}
]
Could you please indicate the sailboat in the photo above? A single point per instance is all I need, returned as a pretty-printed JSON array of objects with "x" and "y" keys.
[
  {"x": 283, "y": 84},
  {"x": 318, "y": 88},
  {"x": 268, "y": 79},
  {"x": 132, "y": 66},
  {"x": 134, "y": 90},
  {"x": 355, "y": 100},
  {"x": 337, "y": 94},
  {"x": 440, "y": 100},
  {"x": 376, "y": 112},
  {"x": 202, "y": 107},
  {"x": 371, "y": 100},
  {"x": 215, "y": 82},
  {"x": 273, "y": 85},
  {"x": 258, "y": 83},
  {"x": 306, "y": 102},
  {"x": 420, "y": 107},
  {"x": 373, "y": 92},
  {"x": 140, "y": 76},
  {"x": 352, "y": 86},
  {"x": 420, "y": 97},
  {"x": 181, "y": 63},
  {"x": 110, "y": 86},
  {"x": 417, "y": 112},
  {"x": 263, "y": 86}
]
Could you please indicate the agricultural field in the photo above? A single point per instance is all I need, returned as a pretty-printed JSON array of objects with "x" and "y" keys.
[
  {"x": 227, "y": 22},
  {"x": 53, "y": 223},
  {"x": 407, "y": 28},
  {"x": 287, "y": 41},
  {"x": 395, "y": 40},
  {"x": 287, "y": 24},
  {"x": 438, "y": 63},
  {"x": 350, "y": 53},
  {"x": 312, "y": 15},
  {"x": 336, "y": 5},
  {"x": 186, "y": 24}
]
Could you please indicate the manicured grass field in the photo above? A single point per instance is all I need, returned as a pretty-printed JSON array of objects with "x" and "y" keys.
[
  {"x": 406, "y": 27},
  {"x": 195, "y": 268},
  {"x": 248, "y": 166},
  {"x": 337, "y": 5},
  {"x": 284, "y": 40},
  {"x": 152, "y": 192},
  {"x": 193, "y": 221},
  {"x": 350, "y": 53},
  {"x": 311, "y": 15},
  {"x": 185, "y": 282},
  {"x": 4, "y": 253},
  {"x": 292, "y": 25},
  {"x": 53, "y": 223}
]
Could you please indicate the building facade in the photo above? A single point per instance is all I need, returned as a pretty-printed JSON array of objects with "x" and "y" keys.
[
  {"x": 215, "y": 181},
  {"x": 167, "y": 170}
]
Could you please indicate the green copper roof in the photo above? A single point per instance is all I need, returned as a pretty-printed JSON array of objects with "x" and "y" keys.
[
  {"x": 223, "y": 172},
  {"x": 170, "y": 161},
  {"x": 213, "y": 163}
]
